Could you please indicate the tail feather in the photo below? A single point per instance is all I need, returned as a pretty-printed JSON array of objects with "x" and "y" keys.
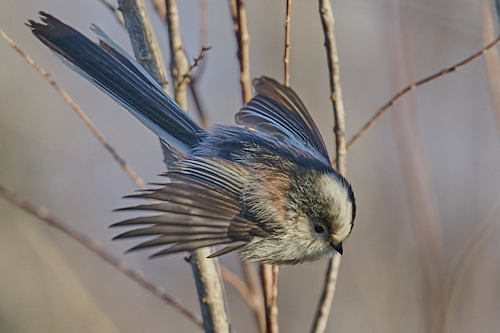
[{"x": 121, "y": 77}]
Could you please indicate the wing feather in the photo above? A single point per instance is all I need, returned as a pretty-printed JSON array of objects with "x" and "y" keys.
[{"x": 279, "y": 112}]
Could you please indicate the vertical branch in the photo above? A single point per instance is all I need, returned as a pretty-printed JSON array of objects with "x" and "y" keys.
[
  {"x": 239, "y": 16},
  {"x": 269, "y": 298},
  {"x": 286, "y": 57},
  {"x": 179, "y": 65},
  {"x": 195, "y": 79},
  {"x": 146, "y": 49},
  {"x": 206, "y": 272},
  {"x": 327, "y": 21}
]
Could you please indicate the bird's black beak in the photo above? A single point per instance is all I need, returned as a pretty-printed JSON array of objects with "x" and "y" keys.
[{"x": 337, "y": 247}]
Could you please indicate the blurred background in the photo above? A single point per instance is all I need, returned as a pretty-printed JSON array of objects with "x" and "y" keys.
[{"x": 424, "y": 252}]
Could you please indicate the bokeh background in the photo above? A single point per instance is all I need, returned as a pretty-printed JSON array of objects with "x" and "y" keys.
[{"x": 426, "y": 176}]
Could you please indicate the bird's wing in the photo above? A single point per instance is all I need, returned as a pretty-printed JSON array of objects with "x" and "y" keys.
[
  {"x": 279, "y": 112},
  {"x": 201, "y": 207}
]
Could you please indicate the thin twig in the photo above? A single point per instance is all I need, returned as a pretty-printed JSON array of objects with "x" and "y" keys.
[
  {"x": 286, "y": 57},
  {"x": 179, "y": 64},
  {"x": 116, "y": 12},
  {"x": 128, "y": 170},
  {"x": 187, "y": 77},
  {"x": 43, "y": 214},
  {"x": 413, "y": 86},
  {"x": 328, "y": 23},
  {"x": 146, "y": 49},
  {"x": 238, "y": 13}
]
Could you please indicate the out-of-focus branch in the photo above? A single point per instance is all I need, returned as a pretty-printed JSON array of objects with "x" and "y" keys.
[
  {"x": 421, "y": 197},
  {"x": 239, "y": 15},
  {"x": 286, "y": 57},
  {"x": 116, "y": 12},
  {"x": 464, "y": 258},
  {"x": 492, "y": 62},
  {"x": 179, "y": 64},
  {"x": 328, "y": 23},
  {"x": 161, "y": 8},
  {"x": 43, "y": 214},
  {"x": 146, "y": 49},
  {"x": 128, "y": 170}
]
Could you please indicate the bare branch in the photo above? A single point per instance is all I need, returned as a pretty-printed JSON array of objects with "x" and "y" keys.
[
  {"x": 269, "y": 299},
  {"x": 210, "y": 293},
  {"x": 43, "y": 214},
  {"x": 146, "y": 49},
  {"x": 206, "y": 272},
  {"x": 286, "y": 57},
  {"x": 328, "y": 23},
  {"x": 321, "y": 319},
  {"x": 187, "y": 77},
  {"x": 116, "y": 12},
  {"x": 128, "y": 170},
  {"x": 179, "y": 64},
  {"x": 193, "y": 84},
  {"x": 238, "y": 13},
  {"x": 413, "y": 86}
]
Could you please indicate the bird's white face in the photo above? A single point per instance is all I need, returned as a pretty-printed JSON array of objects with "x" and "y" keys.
[
  {"x": 341, "y": 208},
  {"x": 317, "y": 217}
]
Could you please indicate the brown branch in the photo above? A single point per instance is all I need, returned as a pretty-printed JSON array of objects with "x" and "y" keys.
[
  {"x": 43, "y": 214},
  {"x": 286, "y": 57},
  {"x": 128, "y": 170},
  {"x": 328, "y": 23},
  {"x": 193, "y": 84},
  {"x": 116, "y": 12},
  {"x": 179, "y": 64},
  {"x": 269, "y": 299},
  {"x": 206, "y": 272},
  {"x": 414, "y": 85},
  {"x": 187, "y": 77},
  {"x": 146, "y": 49},
  {"x": 238, "y": 13}
]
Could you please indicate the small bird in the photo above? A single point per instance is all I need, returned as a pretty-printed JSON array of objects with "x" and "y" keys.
[{"x": 265, "y": 187}]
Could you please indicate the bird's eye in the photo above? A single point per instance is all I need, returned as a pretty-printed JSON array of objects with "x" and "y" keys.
[{"x": 319, "y": 228}]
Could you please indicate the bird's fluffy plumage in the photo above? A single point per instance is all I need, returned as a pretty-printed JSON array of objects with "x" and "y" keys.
[{"x": 266, "y": 187}]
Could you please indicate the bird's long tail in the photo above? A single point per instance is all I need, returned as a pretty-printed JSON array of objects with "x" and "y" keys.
[{"x": 117, "y": 74}]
